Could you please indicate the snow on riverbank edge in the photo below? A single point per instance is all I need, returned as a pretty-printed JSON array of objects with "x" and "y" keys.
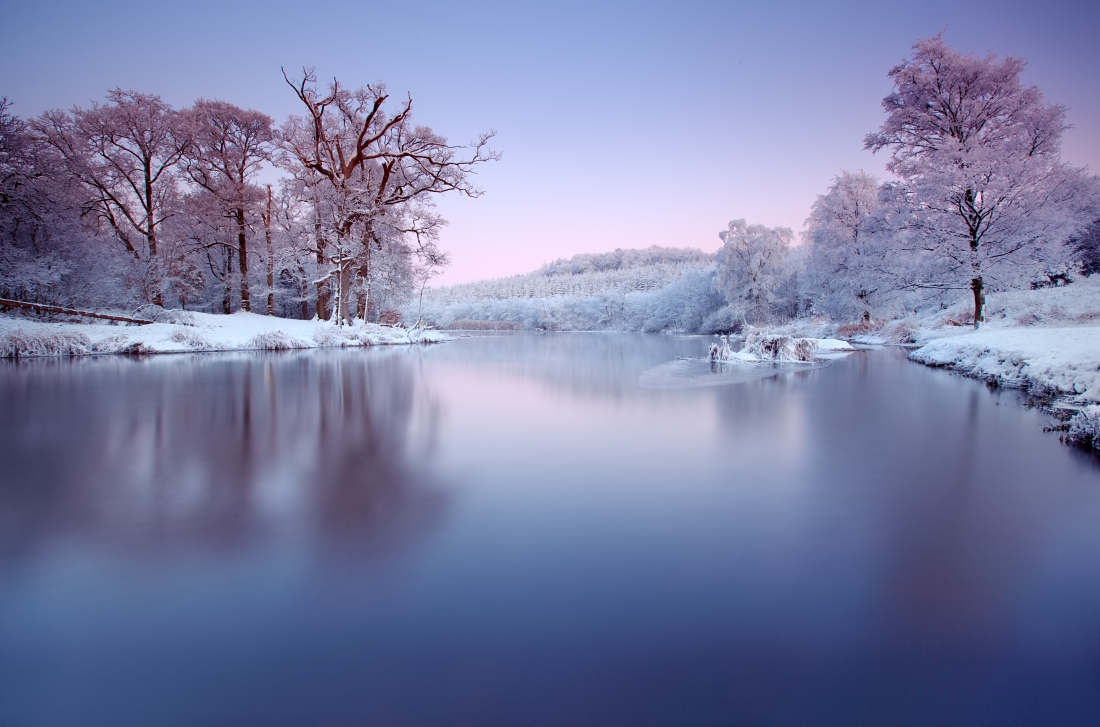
[
  {"x": 1058, "y": 366},
  {"x": 196, "y": 332}
]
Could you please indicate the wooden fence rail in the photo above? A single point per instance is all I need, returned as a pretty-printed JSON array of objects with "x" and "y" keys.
[{"x": 5, "y": 303}]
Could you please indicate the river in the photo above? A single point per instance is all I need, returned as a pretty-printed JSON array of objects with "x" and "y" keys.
[{"x": 510, "y": 530}]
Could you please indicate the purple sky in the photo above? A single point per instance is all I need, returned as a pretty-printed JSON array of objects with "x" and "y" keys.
[{"x": 621, "y": 125}]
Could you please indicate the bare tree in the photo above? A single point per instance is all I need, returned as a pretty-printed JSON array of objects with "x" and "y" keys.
[
  {"x": 124, "y": 153},
  {"x": 229, "y": 146},
  {"x": 364, "y": 165}
]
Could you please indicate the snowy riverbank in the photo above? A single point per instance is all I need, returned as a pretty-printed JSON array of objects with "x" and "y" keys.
[
  {"x": 1046, "y": 342},
  {"x": 1059, "y": 365},
  {"x": 24, "y": 336}
]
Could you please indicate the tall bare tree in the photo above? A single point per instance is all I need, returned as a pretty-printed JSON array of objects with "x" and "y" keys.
[
  {"x": 368, "y": 166},
  {"x": 229, "y": 146},
  {"x": 124, "y": 153}
]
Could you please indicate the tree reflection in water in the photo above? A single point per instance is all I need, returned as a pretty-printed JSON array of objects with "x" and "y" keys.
[{"x": 218, "y": 450}]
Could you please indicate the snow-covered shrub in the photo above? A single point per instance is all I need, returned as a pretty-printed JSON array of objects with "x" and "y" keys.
[
  {"x": 863, "y": 328},
  {"x": 18, "y": 343},
  {"x": 1030, "y": 318},
  {"x": 179, "y": 317},
  {"x": 389, "y": 317},
  {"x": 777, "y": 347},
  {"x": 1084, "y": 428},
  {"x": 275, "y": 341},
  {"x": 111, "y": 344},
  {"x": 329, "y": 336},
  {"x": 137, "y": 348},
  {"x": 903, "y": 331},
  {"x": 191, "y": 339}
]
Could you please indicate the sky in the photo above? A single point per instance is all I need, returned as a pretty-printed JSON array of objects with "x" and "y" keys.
[{"x": 620, "y": 124}]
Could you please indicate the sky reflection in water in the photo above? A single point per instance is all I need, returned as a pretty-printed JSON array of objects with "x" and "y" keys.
[{"x": 510, "y": 530}]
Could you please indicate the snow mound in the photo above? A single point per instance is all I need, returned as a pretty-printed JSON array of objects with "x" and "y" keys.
[{"x": 830, "y": 345}]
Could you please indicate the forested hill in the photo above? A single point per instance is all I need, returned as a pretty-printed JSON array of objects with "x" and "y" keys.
[
  {"x": 655, "y": 289},
  {"x": 586, "y": 274},
  {"x": 595, "y": 262}
]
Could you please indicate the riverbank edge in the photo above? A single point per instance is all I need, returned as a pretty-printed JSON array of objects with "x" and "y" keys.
[
  {"x": 22, "y": 337},
  {"x": 1057, "y": 368}
]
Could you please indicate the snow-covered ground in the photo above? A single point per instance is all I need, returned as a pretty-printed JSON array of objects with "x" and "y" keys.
[
  {"x": 1061, "y": 363},
  {"x": 1044, "y": 341},
  {"x": 23, "y": 336},
  {"x": 1063, "y": 359}
]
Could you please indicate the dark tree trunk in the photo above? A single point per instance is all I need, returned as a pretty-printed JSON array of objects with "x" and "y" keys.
[
  {"x": 151, "y": 233},
  {"x": 227, "y": 297},
  {"x": 242, "y": 260},
  {"x": 979, "y": 299},
  {"x": 270, "y": 258},
  {"x": 322, "y": 288}
]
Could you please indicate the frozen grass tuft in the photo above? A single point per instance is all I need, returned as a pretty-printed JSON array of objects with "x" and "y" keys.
[
  {"x": 330, "y": 337},
  {"x": 275, "y": 341},
  {"x": 111, "y": 344},
  {"x": 19, "y": 343},
  {"x": 776, "y": 347},
  {"x": 1084, "y": 428},
  {"x": 192, "y": 339}
]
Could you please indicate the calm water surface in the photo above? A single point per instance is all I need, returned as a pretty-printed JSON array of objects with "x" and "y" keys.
[{"x": 511, "y": 531}]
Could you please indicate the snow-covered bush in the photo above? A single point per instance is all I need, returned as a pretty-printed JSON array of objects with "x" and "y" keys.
[
  {"x": 903, "y": 331},
  {"x": 332, "y": 336},
  {"x": 275, "y": 341},
  {"x": 776, "y": 347},
  {"x": 191, "y": 339},
  {"x": 19, "y": 343},
  {"x": 1084, "y": 428}
]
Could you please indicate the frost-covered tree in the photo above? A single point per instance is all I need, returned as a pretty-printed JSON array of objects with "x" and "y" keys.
[
  {"x": 753, "y": 272},
  {"x": 229, "y": 146},
  {"x": 46, "y": 254},
  {"x": 977, "y": 153},
  {"x": 1085, "y": 248},
  {"x": 124, "y": 153},
  {"x": 849, "y": 260},
  {"x": 371, "y": 174}
]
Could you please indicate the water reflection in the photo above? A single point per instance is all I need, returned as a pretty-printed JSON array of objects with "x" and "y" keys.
[
  {"x": 871, "y": 543},
  {"x": 217, "y": 451}
]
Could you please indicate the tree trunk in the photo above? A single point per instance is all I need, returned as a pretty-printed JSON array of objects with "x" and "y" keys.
[
  {"x": 227, "y": 297},
  {"x": 270, "y": 258},
  {"x": 322, "y": 288},
  {"x": 303, "y": 291},
  {"x": 151, "y": 233},
  {"x": 242, "y": 260},
  {"x": 345, "y": 266},
  {"x": 979, "y": 299},
  {"x": 364, "y": 273}
]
